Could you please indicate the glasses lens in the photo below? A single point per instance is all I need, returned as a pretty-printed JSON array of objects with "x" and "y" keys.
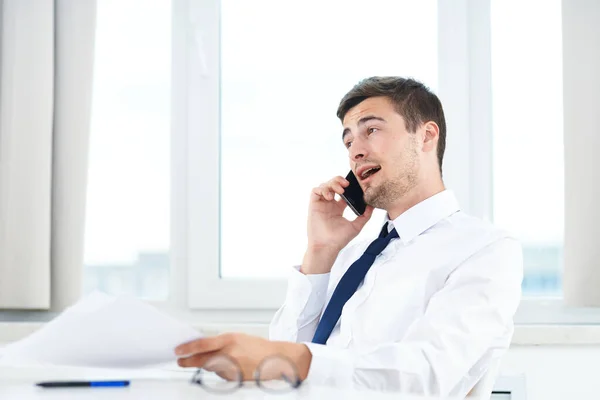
[
  {"x": 220, "y": 374},
  {"x": 277, "y": 373}
]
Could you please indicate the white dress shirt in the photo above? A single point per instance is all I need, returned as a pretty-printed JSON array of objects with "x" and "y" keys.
[{"x": 434, "y": 308}]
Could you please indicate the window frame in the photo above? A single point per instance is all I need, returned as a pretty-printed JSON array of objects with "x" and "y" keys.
[
  {"x": 196, "y": 115},
  {"x": 465, "y": 89}
]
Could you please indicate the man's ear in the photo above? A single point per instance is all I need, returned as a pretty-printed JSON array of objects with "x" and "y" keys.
[{"x": 430, "y": 136}]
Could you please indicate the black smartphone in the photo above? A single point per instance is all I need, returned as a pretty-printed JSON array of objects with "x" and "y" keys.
[{"x": 354, "y": 195}]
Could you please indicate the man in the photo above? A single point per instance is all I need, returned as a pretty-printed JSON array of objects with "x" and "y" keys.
[{"x": 425, "y": 307}]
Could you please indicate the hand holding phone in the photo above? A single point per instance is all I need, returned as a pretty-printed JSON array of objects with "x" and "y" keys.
[
  {"x": 327, "y": 226},
  {"x": 328, "y": 230}
]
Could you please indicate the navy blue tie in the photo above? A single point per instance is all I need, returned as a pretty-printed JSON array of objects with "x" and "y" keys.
[{"x": 348, "y": 285}]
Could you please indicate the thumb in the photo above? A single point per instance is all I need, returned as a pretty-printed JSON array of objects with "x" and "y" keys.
[{"x": 360, "y": 222}]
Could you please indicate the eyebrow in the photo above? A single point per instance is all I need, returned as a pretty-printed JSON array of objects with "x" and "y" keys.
[{"x": 363, "y": 121}]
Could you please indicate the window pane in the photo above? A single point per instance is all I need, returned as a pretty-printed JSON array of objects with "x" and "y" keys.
[
  {"x": 127, "y": 227},
  {"x": 528, "y": 135},
  {"x": 282, "y": 79}
]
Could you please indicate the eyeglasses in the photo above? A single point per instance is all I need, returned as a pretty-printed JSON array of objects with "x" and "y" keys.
[{"x": 274, "y": 374}]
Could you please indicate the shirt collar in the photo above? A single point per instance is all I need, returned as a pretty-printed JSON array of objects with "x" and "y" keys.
[{"x": 424, "y": 215}]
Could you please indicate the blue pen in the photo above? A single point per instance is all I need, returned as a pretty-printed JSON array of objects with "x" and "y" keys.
[{"x": 66, "y": 384}]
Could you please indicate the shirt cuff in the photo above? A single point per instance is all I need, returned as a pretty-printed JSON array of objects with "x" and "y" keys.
[
  {"x": 330, "y": 366},
  {"x": 306, "y": 293}
]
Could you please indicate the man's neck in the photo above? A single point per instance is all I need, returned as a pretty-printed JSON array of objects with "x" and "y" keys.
[{"x": 414, "y": 197}]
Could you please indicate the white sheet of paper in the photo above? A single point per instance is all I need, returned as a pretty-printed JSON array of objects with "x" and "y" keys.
[{"x": 104, "y": 331}]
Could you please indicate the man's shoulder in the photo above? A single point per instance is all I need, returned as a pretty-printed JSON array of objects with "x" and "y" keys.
[
  {"x": 472, "y": 239},
  {"x": 466, "y": 236},
  {"x": 464, "y": 224}
]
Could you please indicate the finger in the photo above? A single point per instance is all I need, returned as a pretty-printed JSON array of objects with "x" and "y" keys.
[
  {"x": 326, "y": 191},
  {"x": 342, "y": 181},
  {"x": 318, "y": 193},
  {"x": 360, "y": 221},
  {"x": 228, "y": 375},
  {"x": 226, "y": 367},
  {"x": 197, "y": 360},
  {"x": 337, "y": 187},
  {"x": 204, "y": 345}
]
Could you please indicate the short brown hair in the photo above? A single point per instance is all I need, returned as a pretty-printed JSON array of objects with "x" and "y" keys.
[{"x": 412, "y": 100}]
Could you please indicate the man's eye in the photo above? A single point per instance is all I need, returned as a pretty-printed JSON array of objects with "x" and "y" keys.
[
  {"x": 371, "y": 130},
  {"x": 348, "y": 144}
]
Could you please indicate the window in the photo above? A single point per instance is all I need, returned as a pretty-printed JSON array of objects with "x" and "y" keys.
[
  {"x": 280, "y": 136},
  {"x": 128, "y": 198},
  {"x": 261, "y": 130},
  {"x": 528, "y": 135}
]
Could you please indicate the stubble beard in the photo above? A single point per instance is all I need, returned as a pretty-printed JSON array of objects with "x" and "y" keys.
[{"x": 391, "y": 190}]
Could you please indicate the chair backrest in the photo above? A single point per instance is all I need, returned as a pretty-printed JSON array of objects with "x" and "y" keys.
[{"x": 483, "y": 389}]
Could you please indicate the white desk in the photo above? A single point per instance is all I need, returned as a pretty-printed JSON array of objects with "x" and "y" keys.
[{"x": 18, "y": 383}]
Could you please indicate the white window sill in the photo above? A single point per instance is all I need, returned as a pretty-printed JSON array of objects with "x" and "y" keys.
[
  {"x": 525, "y": 335},
  {"x": 535, "y": 335}
]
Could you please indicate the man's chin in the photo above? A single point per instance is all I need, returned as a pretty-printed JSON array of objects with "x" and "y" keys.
[{"x": 373, "y": 200}]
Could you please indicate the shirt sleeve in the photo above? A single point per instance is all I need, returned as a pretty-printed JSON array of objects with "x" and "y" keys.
[
  {"x": 297, "y": 319},
  {"x": 463, "y": 321}
]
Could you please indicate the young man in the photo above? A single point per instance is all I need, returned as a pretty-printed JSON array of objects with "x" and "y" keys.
[{"x": 423, "y": 308}]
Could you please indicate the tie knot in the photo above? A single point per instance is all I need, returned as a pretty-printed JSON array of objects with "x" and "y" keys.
[
  {"x": 381, "y": 242},
  {"x": 384, "y": 230},
  {"x": 392, "y": 235}
]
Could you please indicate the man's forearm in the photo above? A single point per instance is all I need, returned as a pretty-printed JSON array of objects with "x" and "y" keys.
[{"x": 318, "y": 260}]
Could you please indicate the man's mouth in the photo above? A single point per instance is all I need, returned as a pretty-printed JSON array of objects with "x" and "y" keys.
[{"x": 368, "y": 172}]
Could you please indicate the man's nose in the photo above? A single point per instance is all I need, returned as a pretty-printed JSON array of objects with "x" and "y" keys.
[{"x": 358, "y": 150}]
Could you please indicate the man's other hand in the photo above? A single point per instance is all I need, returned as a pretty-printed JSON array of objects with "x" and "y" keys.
[{"x": 247, "y": 350}]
